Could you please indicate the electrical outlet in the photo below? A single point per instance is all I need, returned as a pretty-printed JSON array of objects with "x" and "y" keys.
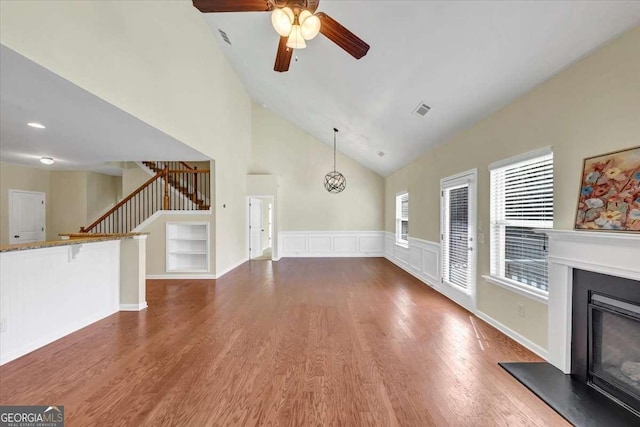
[
  {"x": 521, "y": 311},
  {"x": 3, "y": 325}
]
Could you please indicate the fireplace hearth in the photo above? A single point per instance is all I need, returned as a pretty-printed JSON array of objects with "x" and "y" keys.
[{"x": 603, "y": 388}]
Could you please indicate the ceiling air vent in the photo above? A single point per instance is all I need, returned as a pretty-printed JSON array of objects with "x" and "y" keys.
[
  {"x": 422, "y": 109},
  {"x": 224, "y": 36}
]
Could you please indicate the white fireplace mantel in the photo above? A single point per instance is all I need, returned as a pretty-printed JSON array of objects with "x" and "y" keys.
[{"x": 615, "y": 254}]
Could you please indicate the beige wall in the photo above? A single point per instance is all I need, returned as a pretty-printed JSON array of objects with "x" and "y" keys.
[
  {"x": 18, "y": 177},
  {"x": 135, "y": 48},
  {"x": 68, "y": 202},
  {"x": 592, "y": 107},
  {"x": 133, "y": 176},
  {"x": 301, "y": 162},
  {"x": 103, "y": 193},
  {"x": 157, "y": 241},
  {"x": 73, "y": 197}
]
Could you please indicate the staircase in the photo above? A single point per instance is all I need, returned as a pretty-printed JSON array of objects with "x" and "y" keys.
[{"x": 174, "y": 186}]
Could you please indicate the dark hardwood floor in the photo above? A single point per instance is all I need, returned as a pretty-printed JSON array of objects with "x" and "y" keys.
[{"x": 324, "y": 342}]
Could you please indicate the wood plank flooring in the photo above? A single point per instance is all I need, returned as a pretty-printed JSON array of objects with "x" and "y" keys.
[{"x": 300, "y": 342}]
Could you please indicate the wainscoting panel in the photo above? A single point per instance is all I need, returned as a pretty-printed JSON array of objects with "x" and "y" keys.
[
  {"x": 421, "y": 258},
  {"x": 294, "y": 244},
  {"x": 309, "y": 244},
  {"x": 319, "y": 244}
]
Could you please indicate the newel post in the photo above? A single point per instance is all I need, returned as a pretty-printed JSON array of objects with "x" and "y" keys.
[
  {"x": 195, "y": 184},
  {"x": 165, "y": 172}
]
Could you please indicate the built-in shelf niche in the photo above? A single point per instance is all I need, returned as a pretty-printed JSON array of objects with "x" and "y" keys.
[{"x": 188, "y": 247}]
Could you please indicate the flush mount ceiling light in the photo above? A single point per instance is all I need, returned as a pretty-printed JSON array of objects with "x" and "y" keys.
[
  {"x": 334, "y": 181},
  {"x": 36, "y": 125},
  {"x": 296, "y": 21},
  {"x": 47, "y": 160}
]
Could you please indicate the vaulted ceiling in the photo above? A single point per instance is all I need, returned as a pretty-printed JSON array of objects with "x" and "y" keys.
[{"x": 465, "y": 59}]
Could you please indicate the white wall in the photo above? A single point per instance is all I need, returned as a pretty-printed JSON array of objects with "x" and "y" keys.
[
  {"x": 50, "y": 292},
  {"x": 592, "y": 107},
  {"x": 159, "y": 62}
]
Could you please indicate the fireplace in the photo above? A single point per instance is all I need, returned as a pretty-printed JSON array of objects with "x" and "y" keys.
[
  {"x": 590, "y": 377},
  {"x": 605, "y": 345}
]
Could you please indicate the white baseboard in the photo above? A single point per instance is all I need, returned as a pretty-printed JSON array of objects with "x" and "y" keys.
[
  {"x": 233, "y": 267},
  {"x": 330, "y": 244},
  {"x": 133, "y": 307},
  {"x": 421, "y": 259},
  {"x": 196, "y": 276},
  {"x": 525, "y": 342},
  {"x": 180, "y": 276}
]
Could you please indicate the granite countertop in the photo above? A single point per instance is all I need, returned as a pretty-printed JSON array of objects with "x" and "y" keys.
[{"x": 72, "y": 239}]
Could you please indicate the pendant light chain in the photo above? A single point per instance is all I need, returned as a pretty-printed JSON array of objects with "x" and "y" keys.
[{"x": 335, "y": 131}]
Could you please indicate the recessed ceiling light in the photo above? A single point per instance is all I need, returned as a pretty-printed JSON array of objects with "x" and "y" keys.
[
  {"x": 36, "y": 125},
  {"x": 47, "y": 160}
]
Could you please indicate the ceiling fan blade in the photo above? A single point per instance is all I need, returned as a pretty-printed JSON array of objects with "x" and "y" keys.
[
  {"x": 312, "y": 5},
  {"x": 206, "y": 6},
  {"x": 283, "y": 58},
  {"x": 344, "y": 38}
]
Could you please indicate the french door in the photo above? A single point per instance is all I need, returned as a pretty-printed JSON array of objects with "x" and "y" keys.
[{"x": 458, "y": 207}]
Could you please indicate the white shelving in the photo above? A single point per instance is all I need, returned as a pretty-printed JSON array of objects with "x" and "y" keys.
[{"x": 188, "y": 247}]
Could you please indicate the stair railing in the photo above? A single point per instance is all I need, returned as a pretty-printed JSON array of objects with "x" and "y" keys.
[
  {"x": 193, "y": 183},
  {"x": 163, "y": 191}
]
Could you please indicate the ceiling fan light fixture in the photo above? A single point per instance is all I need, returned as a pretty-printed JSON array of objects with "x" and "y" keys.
[
  {"x": 282, "y": 20},
  {"x": 310, "y": 24},
  {"x": 296, "y": 40}
]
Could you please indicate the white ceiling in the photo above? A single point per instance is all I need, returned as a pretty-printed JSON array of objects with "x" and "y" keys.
[
  {"x": 465, "y": 59},
  {"x": 82, "y": 131}
]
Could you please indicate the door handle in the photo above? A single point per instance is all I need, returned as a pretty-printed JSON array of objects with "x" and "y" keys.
[{"x": 16, "y": 237}]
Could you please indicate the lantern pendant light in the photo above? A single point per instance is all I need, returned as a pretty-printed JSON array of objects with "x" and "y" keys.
[{"x": 334, "y": 181}]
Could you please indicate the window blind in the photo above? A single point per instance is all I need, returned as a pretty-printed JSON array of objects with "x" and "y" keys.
[
  {"x": 455, "y": 237},
  {"x": 521, "y": 201},
  {"x": 402, "y": 217}
]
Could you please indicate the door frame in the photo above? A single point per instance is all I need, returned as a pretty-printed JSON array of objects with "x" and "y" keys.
[
  {"x": 467, "y": 300},
  {"x": 10, "y": 216},
  {"x": 274, "y": 243}
]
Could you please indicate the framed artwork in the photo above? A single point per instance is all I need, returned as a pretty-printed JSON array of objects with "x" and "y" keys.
[{"x": 610, "y": 192}]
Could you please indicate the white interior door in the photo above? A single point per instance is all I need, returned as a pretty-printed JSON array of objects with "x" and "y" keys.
[
  {"x": 255, "y": 227},
  {"x": 458, "y": 238},
  {"x": 26, "y": 216}
]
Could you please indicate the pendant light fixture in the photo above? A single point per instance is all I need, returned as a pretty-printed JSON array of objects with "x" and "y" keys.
[{"x": 334, "y": 181}]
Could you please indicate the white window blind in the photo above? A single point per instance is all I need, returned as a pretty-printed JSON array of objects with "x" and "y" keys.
[
  {"x": 402, "y": 218},
  {"x": 455, "y": 239},
  {"x": 521, "y": 201}
]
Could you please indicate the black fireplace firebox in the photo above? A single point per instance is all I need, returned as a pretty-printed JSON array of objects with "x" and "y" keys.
[{"x": 605, "y": 345}]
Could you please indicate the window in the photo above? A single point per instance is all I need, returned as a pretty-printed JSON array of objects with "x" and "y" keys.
[
  {"x": 402, "y": 218},
  {"x": 521, "y": 201}
]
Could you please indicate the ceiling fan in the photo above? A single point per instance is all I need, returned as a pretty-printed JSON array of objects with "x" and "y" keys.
[{"x": 295, "y": 21}]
